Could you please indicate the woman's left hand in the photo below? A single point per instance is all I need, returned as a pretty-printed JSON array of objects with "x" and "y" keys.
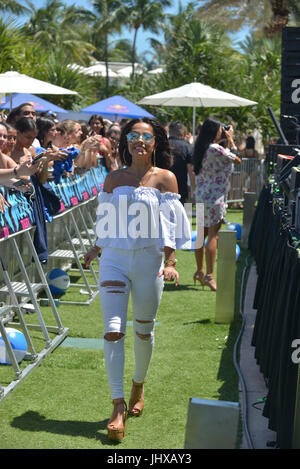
[
  {"x": 170, "y": 274},
  {"x": 230, "y": 137},
  {"x": 91, "y": 143},
  {"x": 56, "y": 155},
  {"x": 91, "y": 255}
]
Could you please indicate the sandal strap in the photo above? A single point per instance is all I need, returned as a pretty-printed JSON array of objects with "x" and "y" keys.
[{"x": 139, "y": 384}]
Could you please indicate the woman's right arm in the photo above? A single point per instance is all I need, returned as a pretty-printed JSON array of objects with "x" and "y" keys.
[{"x": 18, "y": 171}]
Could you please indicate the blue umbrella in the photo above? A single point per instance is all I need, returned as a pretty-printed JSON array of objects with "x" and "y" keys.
[
  {"x": 39, "y": 104},
  {"x": 117, "y": 106}
]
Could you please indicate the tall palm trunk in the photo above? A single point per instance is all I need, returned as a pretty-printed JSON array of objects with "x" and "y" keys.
[
  {"x": 106, "y": 61},
  {"x": 133, "y": 49}
]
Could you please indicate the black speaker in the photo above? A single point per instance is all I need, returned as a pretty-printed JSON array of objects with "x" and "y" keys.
[
  {"x": 290, "y": 85},
  {"x": 295, "y": 179}
]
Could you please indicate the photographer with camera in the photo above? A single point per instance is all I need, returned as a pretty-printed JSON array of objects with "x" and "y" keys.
[{"x": 214, "y": 153}]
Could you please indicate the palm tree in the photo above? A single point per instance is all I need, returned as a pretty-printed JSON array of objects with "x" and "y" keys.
[
  {"x": 59, "y": 26},
  {"x": 263, "y": 16},
  {"x": 120, "y": 50},
  {"x": 12, "y": 6},
  {"x": 12, "y": 43},
  {"x": 108, "y": 18},
  {"x": 146, "y": 14},
  {"x": 194, "y": 47},
  {"x": 55, "y": 70},
  {"x": 175, "y": 26}
]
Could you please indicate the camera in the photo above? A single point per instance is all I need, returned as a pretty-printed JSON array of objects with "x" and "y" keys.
[{"x": 223, "y": 140}]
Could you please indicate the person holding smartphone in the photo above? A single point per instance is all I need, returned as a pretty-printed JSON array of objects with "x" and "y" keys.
[
  {"x": 26, "y": 133},
  {"x": 214, "y": 153},
  {"x": 10, "y": 172}
]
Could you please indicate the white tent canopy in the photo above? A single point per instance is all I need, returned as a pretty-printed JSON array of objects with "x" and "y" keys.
[
  {"x": 156, "y": 71},
  {"x": 196, "y": 95},
  {"x": 115, "y": 69},
  {"x": 127, "y": 71},
  {"x": 98, "y": 70}
]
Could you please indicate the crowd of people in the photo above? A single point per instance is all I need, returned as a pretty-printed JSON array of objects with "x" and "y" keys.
[
  {"x": 149, "y": 163},
  {"x": 24, "y": 135}
]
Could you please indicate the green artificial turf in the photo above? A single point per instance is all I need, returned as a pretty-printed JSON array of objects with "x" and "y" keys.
[{"x": 65, "y": 402}]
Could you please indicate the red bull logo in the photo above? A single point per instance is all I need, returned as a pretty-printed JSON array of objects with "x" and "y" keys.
[
  {"x": 117, "y": 109},
  {"x": 37, "y": 105}
]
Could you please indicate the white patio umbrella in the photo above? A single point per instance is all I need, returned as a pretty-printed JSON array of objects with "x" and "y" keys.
[
  {"x": 14, "y": 82},
  {"x": 195, "y": 95}
]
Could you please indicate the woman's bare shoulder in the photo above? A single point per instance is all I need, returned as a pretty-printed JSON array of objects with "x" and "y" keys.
[
  {"x": 167, "y": 180},
  {"x": 114, "y": 179},
  {"x": 7, "y": 161}
]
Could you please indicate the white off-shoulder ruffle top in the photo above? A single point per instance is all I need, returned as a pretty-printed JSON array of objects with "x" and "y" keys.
[{"x": 137, "y": 217}]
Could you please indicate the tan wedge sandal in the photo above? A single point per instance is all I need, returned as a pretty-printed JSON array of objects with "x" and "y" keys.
[
  {"x": 117, "y": 421},
  {"x": 136, "y": 402}
]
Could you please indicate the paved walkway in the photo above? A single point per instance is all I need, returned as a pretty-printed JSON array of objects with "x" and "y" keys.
[{"x": 254, "y": 382}]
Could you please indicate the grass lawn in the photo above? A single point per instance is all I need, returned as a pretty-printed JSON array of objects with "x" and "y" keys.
[{"x": 65, "y": 402}]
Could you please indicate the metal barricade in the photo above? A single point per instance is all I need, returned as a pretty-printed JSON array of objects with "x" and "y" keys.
[
  {"x": 246, "y": 177},
  {"x": 22, "y": 276},
  {"x": 21, "y": 297},
  {"x": 77, "y": 247}
]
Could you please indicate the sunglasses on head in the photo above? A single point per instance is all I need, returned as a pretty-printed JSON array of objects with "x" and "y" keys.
[{"x": 133, "y": 137}]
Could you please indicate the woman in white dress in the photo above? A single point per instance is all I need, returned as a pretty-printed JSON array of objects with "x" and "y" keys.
[{"x": 140, "y": 223}]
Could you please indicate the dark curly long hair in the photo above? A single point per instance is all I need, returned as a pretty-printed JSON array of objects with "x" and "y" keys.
[{"x": 163, "y": 157}]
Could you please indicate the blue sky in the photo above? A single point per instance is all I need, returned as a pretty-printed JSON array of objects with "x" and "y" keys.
[{"x": 142, "y": 39}]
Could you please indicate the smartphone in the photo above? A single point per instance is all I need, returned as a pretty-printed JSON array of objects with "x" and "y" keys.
[
  {"x": 21, "y": 182},
  {"x": 37, "y": 158}
]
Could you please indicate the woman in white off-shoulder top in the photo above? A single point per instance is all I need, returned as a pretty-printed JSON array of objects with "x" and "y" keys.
[{"x": 140, "y": 223}]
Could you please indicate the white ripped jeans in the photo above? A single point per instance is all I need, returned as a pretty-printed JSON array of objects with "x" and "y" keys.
[{"x": 123, "y": 272}]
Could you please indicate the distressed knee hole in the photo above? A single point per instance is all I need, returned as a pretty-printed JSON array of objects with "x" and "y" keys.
[
  {"x": 113, "y": 336},
  {"x": 110, "y": 284},
  {"x": 143, "y": 336},
  {"x": 145, "y": 331}
]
